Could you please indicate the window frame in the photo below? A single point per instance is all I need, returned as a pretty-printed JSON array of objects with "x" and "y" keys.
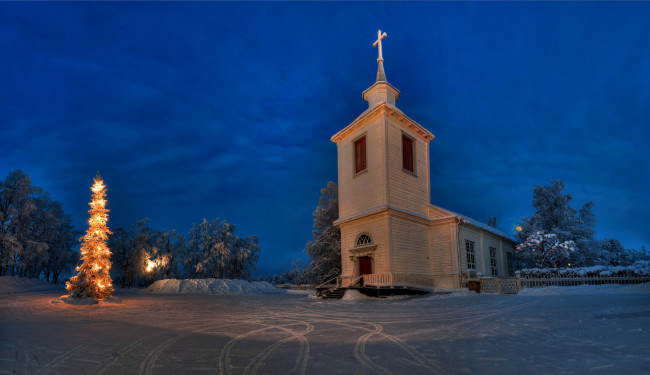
[
  {"x": 360, "y": 138},
  {"x": 511, "y": 263},
  {"x": 406, "y": 136},
  {"x": 470, "y": 253},
  {"x": 494, "y": 268},
  {"x": 356, "y": 242}
]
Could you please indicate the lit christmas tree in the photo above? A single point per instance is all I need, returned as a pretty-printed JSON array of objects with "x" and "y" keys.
[{"x": 93, "y": 279}]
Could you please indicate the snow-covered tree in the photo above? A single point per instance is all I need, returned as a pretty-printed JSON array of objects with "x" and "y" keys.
[
  {"x": 93, "y": 279},
  {"x": 554, "y": 215},
  {"x": 325, "y": 248},
  {"x": 613, "y": 253},
  {"x": 542, "y": 249},
  {"x": 213, "y": 250},
  {"x": 36, "y": 237}
]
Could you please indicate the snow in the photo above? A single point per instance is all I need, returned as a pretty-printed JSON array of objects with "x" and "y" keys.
[
  {"x": 354, "y": 295},
  {"x": 295, "y": 333},
  {"x": 213, "y": 286}
]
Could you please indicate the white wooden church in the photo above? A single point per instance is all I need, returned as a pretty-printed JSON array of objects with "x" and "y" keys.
[{"x": 391, "y": 235}]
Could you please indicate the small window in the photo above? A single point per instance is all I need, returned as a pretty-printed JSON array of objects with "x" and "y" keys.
[
  {"x": 493, "y": 261},
  {"x": 408, "y": 154},
  {"x": 364, "y": 239},
  {"x": 469, "y": 248},
  {"x": 511, "y": 269},
  {"x": 360, "y": 155}
]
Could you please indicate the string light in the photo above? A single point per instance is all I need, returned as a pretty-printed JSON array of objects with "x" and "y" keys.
[{"x": 93, "y": 279}]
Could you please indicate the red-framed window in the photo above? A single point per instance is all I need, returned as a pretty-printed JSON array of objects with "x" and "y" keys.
[
  {"x": 360, "y": 155},
  {"x": 408, "y": 153}
]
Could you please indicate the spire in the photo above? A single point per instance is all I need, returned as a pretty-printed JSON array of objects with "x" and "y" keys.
[
  {"x": 381, "y": 75},
  {"x": 381, "y": 91}
]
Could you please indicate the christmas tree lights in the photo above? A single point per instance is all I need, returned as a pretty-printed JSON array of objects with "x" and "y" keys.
[{"x": 93, "y": 279}]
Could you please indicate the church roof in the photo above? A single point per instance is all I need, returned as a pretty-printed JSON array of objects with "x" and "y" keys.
[{"x": 478, "y": 224}]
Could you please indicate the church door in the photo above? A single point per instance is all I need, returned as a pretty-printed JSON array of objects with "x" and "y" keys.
[{"x": 365, "y": 265}]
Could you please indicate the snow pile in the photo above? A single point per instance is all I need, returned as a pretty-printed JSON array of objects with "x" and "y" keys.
[
  {"x": 213, "y": 286},
  {"x": 639, "y": 268},
  {"x": 14, "y": 284},
  {"x": 587, "y": 289},
  {"x": 354, "y": 295}
]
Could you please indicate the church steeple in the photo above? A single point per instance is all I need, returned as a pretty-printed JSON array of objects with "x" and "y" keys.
[
  {"x": 381, "y": 75},
  {"x": 381, "y": 91}
]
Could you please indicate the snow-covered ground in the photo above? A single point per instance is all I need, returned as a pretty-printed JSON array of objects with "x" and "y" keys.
[
  {"x": 457, "y": 333},
  {"x": 213, "y": 286}
]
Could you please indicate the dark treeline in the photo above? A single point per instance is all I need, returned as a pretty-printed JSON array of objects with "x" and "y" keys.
[
  {"x": 141, "y": 255},
  {"x": 36, "y": 237},
  {"x": 37, "y": 240}
]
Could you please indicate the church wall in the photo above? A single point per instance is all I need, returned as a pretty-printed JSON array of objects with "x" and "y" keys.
[
  {"x": 377, "y": 227},
  {"x": 443, "y": 259},
  {"x": 406, "y": 190},
  {"x": 367, "y": 189},
  {"x": 410, "y": 246}
]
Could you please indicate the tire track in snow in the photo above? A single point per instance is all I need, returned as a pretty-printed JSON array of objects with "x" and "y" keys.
[
  {"x": 58, "y": 360},
  {"x": 146, "y": 367},
  {"x": 224, "y": 364},
  {"x": 303, "y": 355},
  {"x": 360, "y": 350}
]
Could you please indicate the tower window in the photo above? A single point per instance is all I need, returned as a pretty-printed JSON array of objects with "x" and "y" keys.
[
  {"x": 408, "y": 154},
  {"x": 360, "y": 155}
]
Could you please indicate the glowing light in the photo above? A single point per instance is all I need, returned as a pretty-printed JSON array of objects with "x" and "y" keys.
[
  {"x": 518, "y": 229},
  {"x": 93, "y": 278}
]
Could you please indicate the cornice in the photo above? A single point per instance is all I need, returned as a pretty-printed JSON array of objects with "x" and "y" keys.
[{"x": 392, "y": 111}]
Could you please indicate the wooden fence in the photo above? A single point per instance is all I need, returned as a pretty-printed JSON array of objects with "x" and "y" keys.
[
  {"x": 512, "y": 285},
  {"x": 537, "y": 282}
]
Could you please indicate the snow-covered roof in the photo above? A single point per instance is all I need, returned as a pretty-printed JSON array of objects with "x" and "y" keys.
[{"x": 478, "y": 224}]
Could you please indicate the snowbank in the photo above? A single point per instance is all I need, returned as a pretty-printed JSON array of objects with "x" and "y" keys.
[
  {"x": 213, "y": 286},
  {"x": 587, "y": 289},
  {"x": 15, "y": 284}
]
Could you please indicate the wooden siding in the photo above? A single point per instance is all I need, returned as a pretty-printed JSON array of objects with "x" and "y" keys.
[
  {"x": 437, "y": 212},
  {"x": 377, "y": 227},
  {"x": 409, "y": 191},
  {"x": 483, "y": 240},
  {"x": 410, "y": 246},
  {"x": 367, "y": 189},
  {"x": 441, "y": 247}
]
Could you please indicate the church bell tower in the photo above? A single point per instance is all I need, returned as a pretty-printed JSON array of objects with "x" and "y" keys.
[{"x": 383, "y": 178}]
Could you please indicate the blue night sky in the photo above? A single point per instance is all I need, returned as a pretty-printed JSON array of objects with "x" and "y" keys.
[{"x": 225, "y": 110}]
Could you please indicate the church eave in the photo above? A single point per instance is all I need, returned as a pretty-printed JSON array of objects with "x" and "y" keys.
[{"x": 392, "y": 111}]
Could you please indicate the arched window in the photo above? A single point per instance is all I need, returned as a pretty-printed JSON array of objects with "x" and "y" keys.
[{"x": 364, "y": 239}]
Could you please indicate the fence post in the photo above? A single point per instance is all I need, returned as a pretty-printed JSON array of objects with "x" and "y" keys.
[{"x": 518, "y": 276}]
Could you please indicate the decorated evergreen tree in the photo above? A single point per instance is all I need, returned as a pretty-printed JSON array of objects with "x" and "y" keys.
[{"x": 93, "y": 279}]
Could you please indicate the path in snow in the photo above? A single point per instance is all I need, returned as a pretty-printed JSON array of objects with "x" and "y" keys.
[{"x": 298, "y": 334}]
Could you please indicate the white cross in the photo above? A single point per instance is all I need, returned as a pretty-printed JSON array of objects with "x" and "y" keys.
[{"x": 380, "y": 36}]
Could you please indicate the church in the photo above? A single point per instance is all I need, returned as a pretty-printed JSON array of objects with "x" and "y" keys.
[{"x": 391, "y": 235}]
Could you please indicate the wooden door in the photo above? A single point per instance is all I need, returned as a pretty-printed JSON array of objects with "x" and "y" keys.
[{"x": 365, "y": 265}]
